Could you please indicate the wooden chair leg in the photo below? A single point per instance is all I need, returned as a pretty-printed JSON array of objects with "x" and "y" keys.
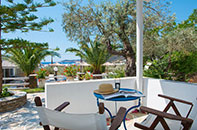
[
  {"x": 38, "y": 102},
  {"x": 164, "y": 124},
  {"x": 46, "y": 127}
]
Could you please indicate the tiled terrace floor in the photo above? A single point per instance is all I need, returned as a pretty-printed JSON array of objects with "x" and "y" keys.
[{"x": 26, "y": 118}]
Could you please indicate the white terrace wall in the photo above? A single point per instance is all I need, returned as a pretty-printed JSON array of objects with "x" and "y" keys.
[
  {"x": 181, "y": 90},
  {"x": 80, "y": 95}
]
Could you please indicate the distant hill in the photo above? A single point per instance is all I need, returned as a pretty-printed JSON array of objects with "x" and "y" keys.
[
  {"x": 116, "y": 59},
  {"x": 75, "y": 60},
  {"x": 112, "y": 59}
]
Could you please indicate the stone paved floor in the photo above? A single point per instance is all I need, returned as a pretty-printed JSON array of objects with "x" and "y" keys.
[{"x": 26, "y": 118}]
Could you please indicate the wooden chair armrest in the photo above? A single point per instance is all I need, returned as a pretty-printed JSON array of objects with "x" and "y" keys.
[
  {"x": 62, "y": 106},
  {"x": 118, "y": 119},
  {"x": 165, "y": 115},
  {"x": 175, "y": 99}
]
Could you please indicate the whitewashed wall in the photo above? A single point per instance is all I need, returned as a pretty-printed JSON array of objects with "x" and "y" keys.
[
  {"x": 181, "y": 90},
  {"x": 80, "y": 95}
]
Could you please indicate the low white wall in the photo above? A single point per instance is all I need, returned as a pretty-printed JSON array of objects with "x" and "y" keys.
[
  {"x": 80, "y": 95},
  {"x": 181, "y": 90}
]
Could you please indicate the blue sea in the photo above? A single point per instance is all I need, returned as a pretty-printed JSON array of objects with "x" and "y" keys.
[{"x": 68, "y": 62}]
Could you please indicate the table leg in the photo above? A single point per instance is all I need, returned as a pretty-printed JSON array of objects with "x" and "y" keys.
[
  {"x": 124, "y": 120},
  {"x": 105, "y": 109},
  {"x": 116, "y": 107}
]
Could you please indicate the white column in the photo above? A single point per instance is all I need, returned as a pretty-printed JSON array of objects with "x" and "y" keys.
[{"x": 139, "y": 49}]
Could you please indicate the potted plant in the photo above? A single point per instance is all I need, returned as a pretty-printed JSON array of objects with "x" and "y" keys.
[
  {"x": 41, "y": 76},
  {"x": 71, "y": 72},
  {"x": 88, "y": 76}
]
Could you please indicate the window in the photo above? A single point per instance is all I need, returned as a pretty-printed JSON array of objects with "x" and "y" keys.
[{"x": 11, "y": 72}]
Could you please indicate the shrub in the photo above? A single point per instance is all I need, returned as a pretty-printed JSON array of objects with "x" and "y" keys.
[
  {"x": 177, "y": 66},
  {"x": 88, "y": 76},
  {"x": 5, "y": 93},
  {"x": 41, "y": 73},
  {"x": 118, "y": 73},
  {"x": 50, "y": 69},
  {"x": 87, "y": 68},
  {"x": 71, "y": 70}
]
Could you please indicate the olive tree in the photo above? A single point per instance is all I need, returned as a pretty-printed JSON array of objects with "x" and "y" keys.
[{"x": 115, "y": 23}]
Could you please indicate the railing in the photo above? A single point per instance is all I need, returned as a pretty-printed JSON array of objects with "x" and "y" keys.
[
  {"x": 23, "y": 83},
  {"x": 104, "y": 75},
  {"x": 58, "y": 76}
]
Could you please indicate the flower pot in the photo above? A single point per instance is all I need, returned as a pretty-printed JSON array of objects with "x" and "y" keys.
[
  {"x": 70, "y": 78},
  {"x": 41, "y": 83},
  {"x": 81, "y": 76}
]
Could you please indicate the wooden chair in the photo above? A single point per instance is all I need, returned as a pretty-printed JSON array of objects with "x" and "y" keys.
[
  {"x": 95, "y": 121},
  {"x": 163, "y": 120}
]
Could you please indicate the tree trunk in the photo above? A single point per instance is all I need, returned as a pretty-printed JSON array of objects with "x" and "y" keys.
[
  {"x": 130, "y": 69},
  {"x": 1, "y": 73},
  {"x": 128, "y": 53},
  {"x": 97, "y": 71},
  {"x": 1, "y": 68}
]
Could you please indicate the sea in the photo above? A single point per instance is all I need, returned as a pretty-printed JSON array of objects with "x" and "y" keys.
[{"x": 61, "y": 62}]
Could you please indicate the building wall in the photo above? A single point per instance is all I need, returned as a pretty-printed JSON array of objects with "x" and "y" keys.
[{"x": 19, "y": 72}]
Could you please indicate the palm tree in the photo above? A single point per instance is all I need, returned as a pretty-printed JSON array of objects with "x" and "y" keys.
[
  {"x": 94, "y": 53},
  {"x": 29, "y": 57}
]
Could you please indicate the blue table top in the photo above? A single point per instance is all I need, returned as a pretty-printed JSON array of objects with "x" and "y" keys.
[{"x": 99, "y": 96}]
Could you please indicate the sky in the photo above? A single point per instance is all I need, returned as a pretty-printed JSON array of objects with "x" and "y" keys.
[{"x": 182, "y": 9}]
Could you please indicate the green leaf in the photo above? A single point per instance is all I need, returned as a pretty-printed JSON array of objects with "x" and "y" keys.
[
  {"x": 51, "y": 30},
  {"x": 11, "y": 1},
  {"x": 47, "y": 1},
  {"x": 52, "y": 4},
  {"x": 28, "y": 1}
]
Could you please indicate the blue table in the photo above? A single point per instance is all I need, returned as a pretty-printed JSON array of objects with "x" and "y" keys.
[{"x": 99, "y": 96}]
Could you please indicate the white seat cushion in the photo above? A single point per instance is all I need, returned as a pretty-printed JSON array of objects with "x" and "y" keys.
[{"x": 94, "y": 121}]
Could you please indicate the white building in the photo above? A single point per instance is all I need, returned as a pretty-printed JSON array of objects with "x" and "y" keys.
[{"x": 10, "y": 69}]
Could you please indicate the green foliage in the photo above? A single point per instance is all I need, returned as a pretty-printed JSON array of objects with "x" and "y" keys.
[
  {"x": 114, "y": 23},
  {"x": 5, "y": 93},
  {"x": 180, "y": 39},
  {"x": 71, "y": 70},
  {"x": 172, "y": 51},
  {"x": 33, "y": 90},
  {"x": 21, "y": 16},
  {"x": 118, "y": 73},
  {"x": 158, "y": 69},
  {"x": 42, "y": 73},
  {"x": 171, "y": 37},
  {"x": 190, "y": 22},
  {"x": 175, "y": 66},
  {"x": 29, "y": 57},
  {"x": 88, "y": 69},
  {"x": 20, "y": 43},
  {"x": 50, "y": 69},
  {"x": 88, "y": 76},
  {"x": 94, "y": 53},
  {"x": 103, "y": 68}
]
